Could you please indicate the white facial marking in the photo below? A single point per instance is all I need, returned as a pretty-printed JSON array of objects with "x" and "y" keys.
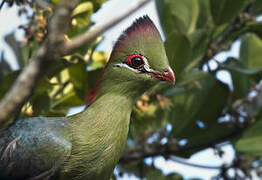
[
  {"x": 146, "y": 66},
  {"x": 126, "y": 66}
]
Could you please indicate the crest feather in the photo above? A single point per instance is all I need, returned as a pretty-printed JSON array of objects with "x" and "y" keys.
[{"x": 143, "y": 25}]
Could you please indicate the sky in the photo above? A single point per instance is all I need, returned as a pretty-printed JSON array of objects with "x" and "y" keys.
[
  {"x": 112, "y": 34},
  {"x": 9, "y": 22}
]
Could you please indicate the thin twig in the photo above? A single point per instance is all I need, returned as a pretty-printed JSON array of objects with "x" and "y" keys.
[
  {"x": 98, "y": 29},
  {"x": 27, "y": 80},
  {"x": 221, "y": 43},
  {"x": 53, "y": 48},
  {"x": 183, "y": 161},
  {"x": 173, "y": 149},
  {"x": 252, "y": 107}
]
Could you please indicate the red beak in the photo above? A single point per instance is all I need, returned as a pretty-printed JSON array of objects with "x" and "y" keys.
[{"x": 166, "y": 76}]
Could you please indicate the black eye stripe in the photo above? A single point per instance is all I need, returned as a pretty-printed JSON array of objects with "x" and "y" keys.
[{"x": 143, "y": 70}]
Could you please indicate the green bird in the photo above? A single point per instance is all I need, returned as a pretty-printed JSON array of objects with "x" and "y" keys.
[{"x": 88, "y": 145}]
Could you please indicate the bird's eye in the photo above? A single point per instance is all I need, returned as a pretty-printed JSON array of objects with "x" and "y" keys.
[{"x": 135, "y": 61}]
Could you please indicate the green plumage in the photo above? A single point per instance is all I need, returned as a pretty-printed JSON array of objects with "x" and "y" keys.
[{"x": 88, "y": 145}]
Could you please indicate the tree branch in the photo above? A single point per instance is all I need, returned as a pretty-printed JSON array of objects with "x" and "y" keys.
[
  {"x": 152, "y": 150},
  {"x": 53, "y": 47},
  {"x": 221, "y": 43},
  {"x": 27, "y": 80},
  {"x": 183, "y": 161},
  {"x": 252, "y": 107},
  {"x": 98, "y": 29}
]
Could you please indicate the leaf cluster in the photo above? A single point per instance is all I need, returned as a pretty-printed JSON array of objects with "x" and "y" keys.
[{"x": 202, "y": 110}]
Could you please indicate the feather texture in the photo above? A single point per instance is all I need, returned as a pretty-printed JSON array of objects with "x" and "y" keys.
[{"x": 88, "y": 145}]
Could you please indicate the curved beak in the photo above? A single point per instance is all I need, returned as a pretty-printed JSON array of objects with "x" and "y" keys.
[{"x": 168, "y": 76}]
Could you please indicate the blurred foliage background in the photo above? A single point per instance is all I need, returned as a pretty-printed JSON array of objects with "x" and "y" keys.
[{"x": 201, "y": 110}]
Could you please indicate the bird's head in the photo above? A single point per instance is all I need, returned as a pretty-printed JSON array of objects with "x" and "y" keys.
[{"x": 138, "y": 60}]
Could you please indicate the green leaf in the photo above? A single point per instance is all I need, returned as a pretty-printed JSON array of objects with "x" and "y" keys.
[
  {"x": 213, "y": 103},
  {"x": 251, "y": 51},
  {"x": 79, "y": 76},
  {"x": 234, "y": 65},
  {"x": 203, "y": 100},
  {"x": 250, "y": 27},
  {"x": 199, "y": 41},
  {"x": 83, "y": 8},
  {"x": 241, "y": 76},
  {"x": 4, "y": 66},
  {"x": 211, "y": 132},
  {"x": 57, "y": 67},
  {"x": 40, "y": 103},
  {"x": 178, "y": 15},
  {"x": 256, "y": 8},
  {"x": 158, "y": 175},
  {"x": 27, "y": 51},
  {"x": 250, "y": 140},
  {"x": 248, "y": 68},
  {"x": 93, "y": 77},
  {"x": 178, "y": 51},
  {"x": 68, "y": 100},
  {"x": 43, "y": 86},
  {"x": 7, "y": 81},
  {"x": 97, "y": 4},
  {"x": 151, "y": 120},
  {"x": 224, "y": 11},
  {"x": 241, "y": 84},
  {"x": 189, "y": 78},
  {"x": 254, "y": 27},
  {"x": 204, "y": 14}
]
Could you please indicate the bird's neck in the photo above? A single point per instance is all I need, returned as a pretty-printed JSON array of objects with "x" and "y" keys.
[{"x": 100, "y": 133}]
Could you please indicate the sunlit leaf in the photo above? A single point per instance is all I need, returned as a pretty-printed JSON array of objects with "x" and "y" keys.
[
  {"x": 82, "y": 8},
  {"x": 68, "y": 100}
]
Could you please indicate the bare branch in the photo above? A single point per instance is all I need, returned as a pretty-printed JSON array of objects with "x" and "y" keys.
[
  {"x": 183, "y": 161},
  {"x": 169, "y": 149},
  {"x": 252, "y": 107},
  {"x": 27, "y": 80},
  {"x": 53, "y": 47},
  {"x": 223, "y": 42},
  {"x": 98, "y": 29}
]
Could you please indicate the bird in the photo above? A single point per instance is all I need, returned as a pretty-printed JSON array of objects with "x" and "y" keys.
[{"x": 88, "y": 145}]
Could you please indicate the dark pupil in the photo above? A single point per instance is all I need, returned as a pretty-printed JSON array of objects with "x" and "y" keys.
[{"x": 137, "y": 61}]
